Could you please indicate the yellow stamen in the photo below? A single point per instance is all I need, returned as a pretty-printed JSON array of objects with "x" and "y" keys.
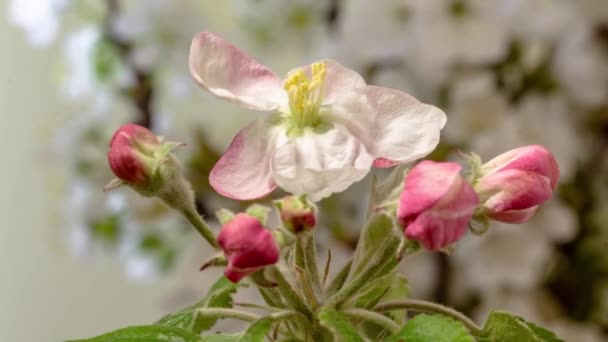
[{"x": 305, "y": 95}]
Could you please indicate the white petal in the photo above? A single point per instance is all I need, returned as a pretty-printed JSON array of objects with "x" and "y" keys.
[
  {"x": 243, "y": 171},
  {"x": 231, "y": 74},
  {"x": 319, "y": 164},
  {"x": 393, "y": 125}
]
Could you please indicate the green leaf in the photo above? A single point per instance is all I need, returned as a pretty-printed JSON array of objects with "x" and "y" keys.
[
  {"x": 218, "y": 296},
  {"x": 390, "y": 286},
  {"x": 147, "y": 333},
  {"x": 339, "y": 326},
  {"x": 222, "y": 338},
  {"x": 375, "y": 238},
  {"x": 257, "y": 331},
  {"x": 502, "y": 326},
  {"x": 433, "y": 328}
]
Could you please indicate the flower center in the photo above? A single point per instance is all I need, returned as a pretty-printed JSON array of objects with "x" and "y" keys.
[{"x": 305, "y": 97}]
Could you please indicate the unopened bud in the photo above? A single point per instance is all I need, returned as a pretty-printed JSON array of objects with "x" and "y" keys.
[
  {"x": 516, "y": 182},
  {"x": 247, "y": 245},
  {"x": 298, "y": 214},
  {"x": 145, "y": 163},
  {"x": 436, "y": 204}
]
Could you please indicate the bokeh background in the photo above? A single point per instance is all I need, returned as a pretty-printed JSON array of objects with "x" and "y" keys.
[{"x": 77, "y": 262}]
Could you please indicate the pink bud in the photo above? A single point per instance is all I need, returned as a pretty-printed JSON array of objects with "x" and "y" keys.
[
  {"x": 297, "y": 214},
  {"x": 127, "y": 153},
  {"x": 532, "y": 158},
  {"x": 516, "y": 182},
  {"x": 248, "y": 246},
  {"x": 436, "y": 204}
]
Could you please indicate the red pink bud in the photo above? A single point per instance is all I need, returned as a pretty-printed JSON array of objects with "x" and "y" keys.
[
  {"x": 128, "y": 153},
  {"x": 516, "y": 182},
  {"x": 436, "y": 204},
  {"x": 248, "y": 246}
]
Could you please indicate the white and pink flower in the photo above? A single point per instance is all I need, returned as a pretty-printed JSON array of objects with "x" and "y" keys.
[{"x": 328, "y": 127}]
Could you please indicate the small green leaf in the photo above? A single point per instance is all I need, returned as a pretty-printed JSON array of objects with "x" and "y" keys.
[
  {"x": 257, "y": 331},
  {"x": 502, "y": 326},
  {"x": 372, "y": 244},
  {"x": 339, "y": 326},
  {"x": 148, "y": 333},
  {"x": 392, "y": 283},
  {"x": 218, "y": 296},
  {"x": 433, "y": 328}
]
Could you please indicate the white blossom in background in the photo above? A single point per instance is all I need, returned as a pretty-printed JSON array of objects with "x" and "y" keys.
[
  {"x": 476, "y": 106},
  {"x": 514, "y": 257},
  {"x": 581, "y": 64},
  {"x": 83, "y": 81},
  {"x": 40, "y": 19},
  {"x": 544, "y": 120},
  {"x": 296, "y": 22}
]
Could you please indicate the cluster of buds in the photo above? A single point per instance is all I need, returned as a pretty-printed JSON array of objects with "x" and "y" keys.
[{"x": 437, "y": 203}]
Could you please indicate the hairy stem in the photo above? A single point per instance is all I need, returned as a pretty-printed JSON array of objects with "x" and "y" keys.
[
  {"x": 292, "y": 297},
  {"x": 228, "y": 313},
  {"x": 373, "y": 317},
  {"x": 430, "y": 307},
  {"x": 201, "y": 226}
]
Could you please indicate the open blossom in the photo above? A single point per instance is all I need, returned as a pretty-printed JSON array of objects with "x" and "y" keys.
[
  {"x": 514, "y": 183},
  {"x": 248, "y": 246},
  {"x": 436, "y": 204},
  {"x": 327, "y": 129}
]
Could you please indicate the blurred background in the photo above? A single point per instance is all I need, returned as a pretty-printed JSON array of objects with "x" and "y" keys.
[{"x": 78, "y": 262}]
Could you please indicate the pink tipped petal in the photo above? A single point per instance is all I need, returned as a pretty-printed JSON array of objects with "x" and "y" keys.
[
  {"x": 533, "y": 158},
  {"x": 514, "y": 216},
  {"x": 393, "y": 125},
  {"x": 231, "y": 74},
  {"x": 319, "y": 164},
  {"x": 383, "y": 163},
  {"x": 513, "y": 190},
  {"x": 339, "y": 80},
  {"x": 425, "y": 185},
  {"x": 243, "y": 171}
]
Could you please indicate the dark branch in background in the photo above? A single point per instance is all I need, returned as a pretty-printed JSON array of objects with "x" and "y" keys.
[
  {"x": 333, "y": 14},
  {"x": 141, "y": 92}
]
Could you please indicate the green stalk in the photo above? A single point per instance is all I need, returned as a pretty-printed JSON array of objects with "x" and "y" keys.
[
  {"x": 228, "y": 313},
  {"x": 373, "y": 317},
  {"x": 200, "y": 225},
  {"x": 429, "y": 307}
]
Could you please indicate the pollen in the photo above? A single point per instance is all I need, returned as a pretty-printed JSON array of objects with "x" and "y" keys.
[{"x": 305, "y": 95}]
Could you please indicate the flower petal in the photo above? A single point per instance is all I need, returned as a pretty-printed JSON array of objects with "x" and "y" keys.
[
  {"x": 339, "y": 80},
  {"x": 392, "y": 124},
  {"x": 243, "y": 171},
  {"x": 513, "y": 190},
  {"x": 319, "y": 164},
  {"x": 231, "y": 74},
  {"x": 533, "y": 158}
]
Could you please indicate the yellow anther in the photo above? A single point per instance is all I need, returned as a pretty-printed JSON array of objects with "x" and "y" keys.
[{"x": 305, "y": 95}]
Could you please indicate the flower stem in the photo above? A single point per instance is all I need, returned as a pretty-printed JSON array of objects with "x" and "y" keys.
[
  {"x": 201, "y": 226},
  {"x": 373, "y": 317},
  {"x": 228, "y": 313},
  {"x": 310, "y": 257},
  {"x": 292, "y": 297},
  {"x": 430, "y": 307}
]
